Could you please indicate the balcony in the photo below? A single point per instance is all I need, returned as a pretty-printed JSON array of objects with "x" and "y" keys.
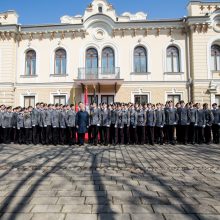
[{"x": 99, "y": 75}]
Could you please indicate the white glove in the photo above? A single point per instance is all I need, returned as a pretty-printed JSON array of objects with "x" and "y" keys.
[
  {"x": 98, "y": 125},
  {"x": 219, "y": 124},
  {"x": 195, "y": 124},
  {"x": 108, "y": 126},
  {"x": 174, "y": 123},
  {"x": 45, "y": 126},
  {"x": 134, "y": 126},
  {"x": 203, "y": 126},
  {"x": 161, "y": 126},
  {"x": 33, "y": 125},
  {"x": 54, "y": 126},
  {"x": 13, "y": 126},
  {"x": 18, "y": 128},
  {"x": 116, "y": 126}
]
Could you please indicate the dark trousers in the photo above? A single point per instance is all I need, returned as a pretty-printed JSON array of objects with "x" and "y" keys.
[
  {"x": 35, "y": 130},
  {"x": 62, "y": 135},
  {"x": 133, "y": 135},
  {"x": 166, "y": 134},
  {"x": 199, "y": 135},
  {"x": 215, "y": 131},
  {"x": 42, "y": 131},
  {"x": 1, "y": 134},
  {"x": 71, "y": 135},
  {"x": 150, "y": 132},
  {"x": 7, "y": 135},
  {"x": 48, "y": 135},
  {"x": 126, "y": 134},
  {"x": 183, "y": 133},
  {"x": 55, "y": 136},
  {"x": 28, "y": 135},
  {"x": 94, "y": 131},
  {"x": 170, "y": 131},
  {"x": 159, "y": 135},
  {"x": 81, "y": 138},
  {"x": 14, "y": 135},
  {"x": 90, "y": 134},
  {"x": 146, "y": 139},
  {"x": 121, "y": 139},
  {"x": 101, "y": 141},
  {"x": 113, "y": 134},
  {"x": 191, "y": 133},
  {"x": 105, "y": 134},
  {"x": 20, "y": 133},
  {"x": 141, "y": 134},
  {"x": 178, "y": 134},
  {"x": 207, "y": 134}
]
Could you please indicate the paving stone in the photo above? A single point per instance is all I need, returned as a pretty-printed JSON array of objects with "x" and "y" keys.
[
  {"x": 114, "y": 217},
  {"x": 71, "y": 200},
  {"x": 48, "y": 216},
  {"x": 81, "y": 217},
  {"x": 180, "y": 217},
  {"x": 47, "y": 208},
  {"x": 79, "y": 209},
  {"x": 209, "y": 217},
  {"x": 8, "y": 216},
  {"x": 44, "y": 200},
  {"x": 137, "y": 209},
  {"x": 168, "y": 209},
  {"x": 147, "y": 217},
  {"x": 109, "y": 208}
]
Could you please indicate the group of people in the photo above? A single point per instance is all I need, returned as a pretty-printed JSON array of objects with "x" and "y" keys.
[{"x": 119, "y": 123}]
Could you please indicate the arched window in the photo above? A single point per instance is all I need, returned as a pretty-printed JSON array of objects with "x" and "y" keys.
[
  {"x": 215, "y": 57},
  {"x": 140, "y": 60},
  {"x": 108, "y": 60},
  {"x": 60, "y": 62},
  {"x": 91, "y": 61},
  {"x": 30, "y": 63},
  {"x": 173, "y": 59}
]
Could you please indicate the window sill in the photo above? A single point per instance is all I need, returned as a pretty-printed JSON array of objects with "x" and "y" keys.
[
  {"x": 28, "y": 76},
  {"x": 58, "y": 75},
  {"x": 215, "y": 71},
  {"x": 140, "y": 73},
  {"x": 173, "y": 73}
]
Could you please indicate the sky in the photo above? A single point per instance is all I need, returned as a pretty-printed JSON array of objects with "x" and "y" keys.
[{"x": 50, "y": 11}]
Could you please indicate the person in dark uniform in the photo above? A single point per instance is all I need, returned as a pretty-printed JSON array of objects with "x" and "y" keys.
[
  {"x": 2, "y": 110},
  {"x": 141, "y": 122},
  {"x": 71, "y": 123},
  {"x": 105, "y": 123},
  {"x": 150, "y": 122},
  {"x": 119, "y": 125},
  {"x": 216, "y": 123},
  {"x": 160, "y": 121},
  {"x": 62, "y": 125},
  {"x": 7, "y": 125},
  {"x": 113, "y": 129},
  {"x": 55, "y": 124},
  {"x": 14, "y": 134},
  {"x": 82, "y": 123},
  {"x": 90, "y": 138},
  {"x": 183, "y": 123},
  {"x": 28, "y": 125},
  {"x": 133, "y": 125},
  {"x": 95, "y": 121},
  {"x": 48, "y": 124},
  {"x": 20, "y": 126},
  {"x": 209, "y": 120},
  {"x": 200, "y": 124},
  {"x": 192, "y": 121},
  {"x": 35, "y": 118},
  {"x": 126, "y": 122},
  {"x": 171, "y": 118}
]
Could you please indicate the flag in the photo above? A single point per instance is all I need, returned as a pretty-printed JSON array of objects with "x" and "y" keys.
[
  {"x": 94, "y": 95},
  {"x": 86, "y": 96}
]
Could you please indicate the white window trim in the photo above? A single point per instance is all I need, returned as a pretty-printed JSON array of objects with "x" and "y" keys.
[
  {"x": 181, "y": 56},
  {"x": 28, "y": 94},
  {"x": 99, "y": 96},
  {"x": 52, "y": 94},
  {"x": 167, "y": 93},
  {"x": 140, "y": 92}
]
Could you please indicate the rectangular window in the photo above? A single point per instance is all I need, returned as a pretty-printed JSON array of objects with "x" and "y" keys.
[
  {"x": 217, "y": 99},
  {"x": 59, "y": 99},
  {"x": 107, "y": 99},
  {"x": 29, "y": 101},
  {"x": 91, "y": 99},
  {"x": 174, "y": 98},
  {"x": 141, "y": 99}
]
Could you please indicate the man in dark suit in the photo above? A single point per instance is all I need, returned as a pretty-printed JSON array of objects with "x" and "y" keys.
[
  {"x": 82, "y": 123},
  {"x": 216, "y": 123}
]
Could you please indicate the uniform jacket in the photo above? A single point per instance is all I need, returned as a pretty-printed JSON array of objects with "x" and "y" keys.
[
  {"x": 171, "y": 116},
  {"x": 27, "y": 120},
  {"x": 141, "y": 117},
  {"x": 62, "y": 119},
  {"x": 133, "y": 118},
  {"x": 192, "y": 115},
  {"x": 113, "y": 116},
  {"x": 126, "y": 117},
  {"x": 105, "y": 117},
  {"x": 209, "y": 117},
  {"x": 160, "y": 118},
  {"x": 55, "y": 118},
  {"x": 82, "y": 121},
  {"x": 7, "y": 120},
  {"x": 183, "y": 116},
  {"x": 200, "y": 122},
  {"x": 1, "y": 117},
  {"x": 48, "y": 117},
  {"x": 150, "y": 118},
  {"x": 216, "y": 115},
  {"x": 35, "y": 117},
  {"x": 42, "y": 116},
  {"x": 95, "y": 116},
  {"x": 71, "y": 118},
  {"x": 20, "y": 120},
  {"x": 14, "y": 119},
  {"x": 119, "y": 119}
]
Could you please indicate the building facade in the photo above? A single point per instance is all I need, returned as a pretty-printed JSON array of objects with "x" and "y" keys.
[{"x": 125, "y": 58}]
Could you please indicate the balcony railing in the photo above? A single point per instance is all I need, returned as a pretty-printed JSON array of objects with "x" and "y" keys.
[{"x": 98, "y": 73}]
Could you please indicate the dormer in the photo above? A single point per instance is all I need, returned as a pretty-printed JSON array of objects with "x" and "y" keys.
[{"x": 8, "y": 17}]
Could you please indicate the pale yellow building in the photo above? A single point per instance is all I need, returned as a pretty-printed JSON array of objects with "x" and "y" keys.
[{"x": 126, "y": 58}]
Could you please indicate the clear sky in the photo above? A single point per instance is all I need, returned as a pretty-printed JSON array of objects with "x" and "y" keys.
[{"x": 50, "y": 11}]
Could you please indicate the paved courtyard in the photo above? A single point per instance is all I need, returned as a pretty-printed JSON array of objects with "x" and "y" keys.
[{"x": 109, "y": 183}]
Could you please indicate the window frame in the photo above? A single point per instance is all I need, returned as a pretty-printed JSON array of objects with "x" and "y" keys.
[
  {"x": 140, "y": 60},
  {"x": 30, "y": 61},
  {"x": 216, "y": 56},
  {"x": 61, "y": 70},
  {"x": 172, "y": 59}
]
